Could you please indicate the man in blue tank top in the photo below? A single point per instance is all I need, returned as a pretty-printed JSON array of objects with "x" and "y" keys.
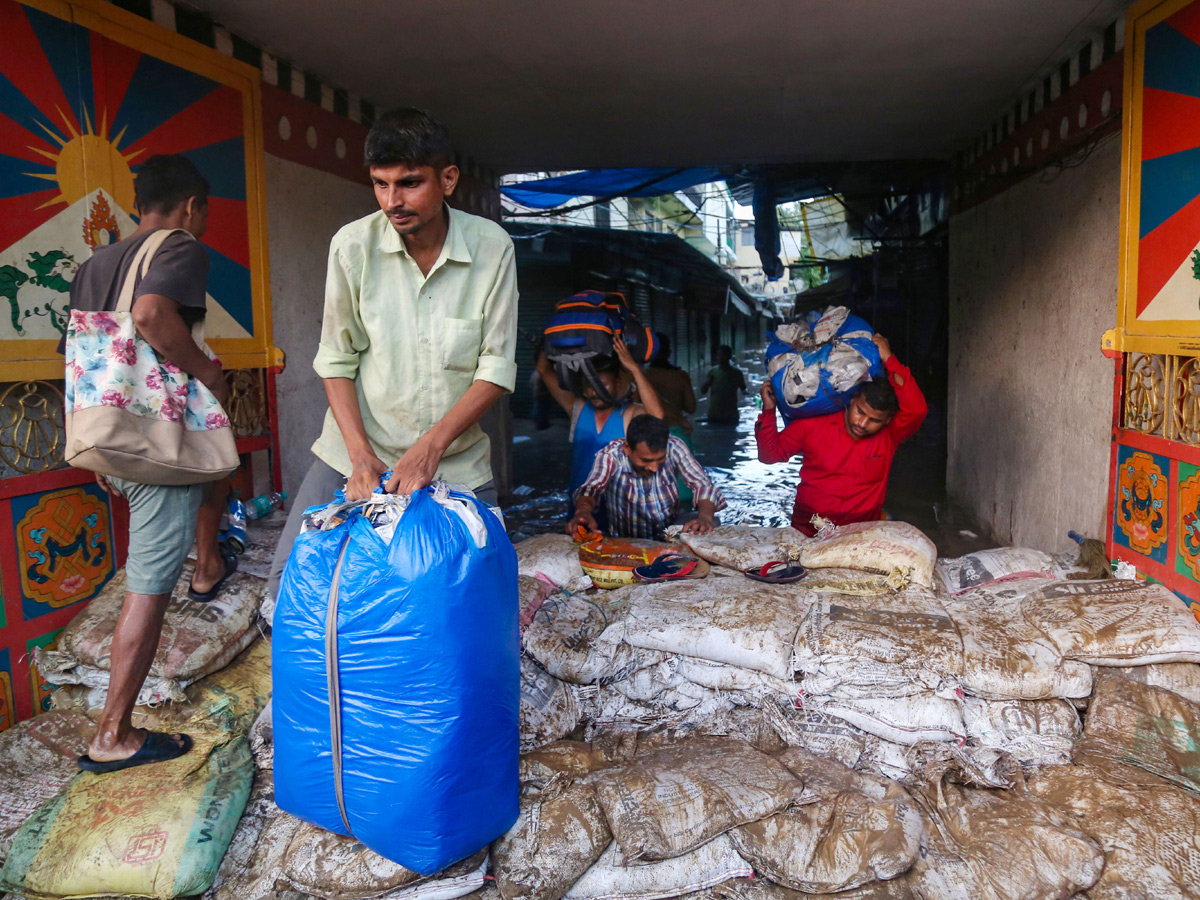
[{"x": 595, "y": 423}]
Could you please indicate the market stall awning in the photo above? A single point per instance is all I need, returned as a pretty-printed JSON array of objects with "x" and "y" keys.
[{"x": 548, "y": 193}]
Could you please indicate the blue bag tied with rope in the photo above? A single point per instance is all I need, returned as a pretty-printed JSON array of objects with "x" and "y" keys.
[
  {"x": 396, "y": 672},
  {"x": 816, "y": 364}
]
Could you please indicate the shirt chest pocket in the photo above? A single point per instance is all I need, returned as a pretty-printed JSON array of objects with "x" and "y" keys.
[
  {"x": 461, "y": 339},
  {"x": 875, "y": 468}
]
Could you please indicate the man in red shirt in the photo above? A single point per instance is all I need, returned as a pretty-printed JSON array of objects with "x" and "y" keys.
[{"x": 847, "y": 455}]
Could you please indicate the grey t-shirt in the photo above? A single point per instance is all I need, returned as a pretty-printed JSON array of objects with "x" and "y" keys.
[{"x": 178, "y": 270}]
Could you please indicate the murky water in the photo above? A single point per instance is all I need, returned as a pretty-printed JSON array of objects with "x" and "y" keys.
[{"x": 756, "y": 494}]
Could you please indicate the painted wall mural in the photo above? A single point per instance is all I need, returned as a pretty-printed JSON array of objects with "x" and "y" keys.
[{"x": 83, "y": 102}]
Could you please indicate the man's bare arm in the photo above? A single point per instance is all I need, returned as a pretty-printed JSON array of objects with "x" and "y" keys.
[{"x": 343, "y": 401}]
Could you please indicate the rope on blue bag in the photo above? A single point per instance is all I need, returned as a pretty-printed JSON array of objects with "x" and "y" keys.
[{"x": 334, "y": 683}]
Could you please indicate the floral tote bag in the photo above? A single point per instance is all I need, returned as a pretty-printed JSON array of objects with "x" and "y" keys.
[{"x": 130, "y": 413}]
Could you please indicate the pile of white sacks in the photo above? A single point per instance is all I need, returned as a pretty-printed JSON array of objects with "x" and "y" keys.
[{"x": 891, "y": 726}]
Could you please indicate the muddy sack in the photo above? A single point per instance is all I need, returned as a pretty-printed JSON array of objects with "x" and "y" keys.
[
  {"x": 419, "y": 757},
  {"x": 1182, "y": 678},
  {"x": 37, "y": 757},
  {"x": 149, "y": 831},
  {"x": 1036, "y": 732},
  {"x": 856, "y": 829},
  {"x": 882, "y": 548},
  {"x": 611, "y": 877},
  {"x": 561, "y": 831},
  {"x": 734, "y": 621},
  {"x": 564, "y": 636},
  {"x": 891, "y": 645},
  {"x": 900, "y": 720},
  {"x": 1145, "y": 727},
  {"x": 549, "y": 710},
  {"x": 674, "y": 799},
  {"x": 982, "y": 567},
  {"x": 1114, "y": 622},
  {"x": 555, "y": 556},
  {"x": 1005, "y": 656},
  {"x": 1148, "y": 831},
  {"x": 197, "y": 638},
  {"x": 999, "y": 845},
  {"x": 742, "y": 547},
  {"x": 229, "y": 700}
]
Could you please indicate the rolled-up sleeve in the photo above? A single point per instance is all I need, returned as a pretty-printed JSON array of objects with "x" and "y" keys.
[
  {"x": 497, "y": 354},
  {"x": 343, "y": 336},
  {"x": 603, "y": 468}
]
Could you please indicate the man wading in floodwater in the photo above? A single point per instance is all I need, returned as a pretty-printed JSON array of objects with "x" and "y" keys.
[{"x": 848, "y": 454}]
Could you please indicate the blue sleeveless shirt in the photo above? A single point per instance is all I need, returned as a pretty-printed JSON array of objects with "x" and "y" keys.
[{"x": 586, "y": 442}]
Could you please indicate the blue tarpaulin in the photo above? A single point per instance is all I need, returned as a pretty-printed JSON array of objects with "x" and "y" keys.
[{"x": 562, "y": 189}]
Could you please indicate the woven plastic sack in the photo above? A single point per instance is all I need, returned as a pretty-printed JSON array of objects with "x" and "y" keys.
[
  {"x": 1148, "y": 831},
  {"x": 856, "y": 830},
  {"x": 735, "y": 621},
  {"x": 1182, "y": 678},
  {"x": 1035, "y": 732},
  {"x": 1114, "y": 622},
  {"x": 549, "y": 710},
  {"x": 397, "y": 684},
  {"x": 815, "y": 365},
  {"x": 37, "y": 757},
  {"x": 675, "y": 799},
  {"x": 990, "y": 566},
  {"x": 197, "y": 638},
  {"x": 1151, "y": 729},
  {"x": 555, "y": 556},
  {"x": 1005, "y": 656},
  {"x": 148, "y": 831},
  {"x": 560, "y": 833},
  {"x": 885, "y": 548},
  {"x": 612, "y": 878},
  {"x": 742, "y": 547}
]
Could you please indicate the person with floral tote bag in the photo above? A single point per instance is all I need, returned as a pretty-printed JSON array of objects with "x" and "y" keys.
[{"x": 161, "y": 270}]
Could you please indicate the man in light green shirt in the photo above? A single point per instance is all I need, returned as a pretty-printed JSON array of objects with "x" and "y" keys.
[{"x": 419, "y": 331}]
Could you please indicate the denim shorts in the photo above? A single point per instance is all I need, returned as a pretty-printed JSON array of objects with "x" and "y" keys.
[{"x": 162, "y": 526}]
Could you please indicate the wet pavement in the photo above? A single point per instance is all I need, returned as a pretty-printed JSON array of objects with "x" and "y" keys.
[{"x": 757, "y": 494}]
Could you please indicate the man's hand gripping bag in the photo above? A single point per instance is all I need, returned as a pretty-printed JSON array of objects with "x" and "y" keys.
[{"x": 397, "y": 682}]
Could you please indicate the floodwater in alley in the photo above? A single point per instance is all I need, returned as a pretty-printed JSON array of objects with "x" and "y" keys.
[{"x": 757, "y": 494}]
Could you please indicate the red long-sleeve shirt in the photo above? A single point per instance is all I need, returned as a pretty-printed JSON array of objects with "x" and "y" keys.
[{"x": 842, "y": 479}]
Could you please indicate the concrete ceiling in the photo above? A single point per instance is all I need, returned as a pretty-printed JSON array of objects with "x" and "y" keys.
[{"x": 564, "y": 84}]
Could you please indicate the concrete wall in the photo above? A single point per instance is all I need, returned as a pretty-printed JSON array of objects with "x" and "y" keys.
[
  {"x": 304, "y": 209},
  {"x": 1033, "y": 286}
]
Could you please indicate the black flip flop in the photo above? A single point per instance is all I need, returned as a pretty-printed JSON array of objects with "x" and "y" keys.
[
  {"x": 231, "y": 565},
  {"x": 157, "y": 747},
  {"x": 778, "y": 572}
]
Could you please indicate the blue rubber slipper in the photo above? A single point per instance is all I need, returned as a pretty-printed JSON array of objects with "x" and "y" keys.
[
  {"x": 157, "y": 747},
  {"x": 667, "y": 567}
]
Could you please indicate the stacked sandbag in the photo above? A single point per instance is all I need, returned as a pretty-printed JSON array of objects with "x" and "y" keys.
[
  {"x": 884, "y": 548},
  {"x": 548, "y": 709},
  {"x": 197, "y": 638},
  {"x": 1148, "y": 831},
  {"x": 984, "y": 567},
  {"x": 1034, "y": 732},
  {"x": 230, "y": 699},
  {"x": 153, "y": 831},
  {"x": 855, "y": 830},
  {"x": 741, "y": 547},
  {"x": 556, "y": 557},
  {"x": 37, "y": 757},
  {"x": 1006, "y": 656}
]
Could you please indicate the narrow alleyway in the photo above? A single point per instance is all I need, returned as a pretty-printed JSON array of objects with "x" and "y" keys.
[{"x": 757, "y": 494}]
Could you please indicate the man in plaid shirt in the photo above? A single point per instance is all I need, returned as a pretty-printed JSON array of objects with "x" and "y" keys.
[{"x": 635, "y": 483}]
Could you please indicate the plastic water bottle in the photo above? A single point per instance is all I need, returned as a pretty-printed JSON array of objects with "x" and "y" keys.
[
  {"x": 233, "y": 532},
  {"x": 265, "y": 504}
]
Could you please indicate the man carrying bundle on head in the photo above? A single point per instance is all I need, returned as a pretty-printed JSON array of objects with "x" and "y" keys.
[
  {"x": 848, "y": 454},
  {"x": 600, "y": 413}
]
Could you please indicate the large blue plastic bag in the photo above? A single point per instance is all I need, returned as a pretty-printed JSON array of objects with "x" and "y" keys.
[
  {"x": 428, "y": 677},
  {"x": 816, "y": 365}
]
